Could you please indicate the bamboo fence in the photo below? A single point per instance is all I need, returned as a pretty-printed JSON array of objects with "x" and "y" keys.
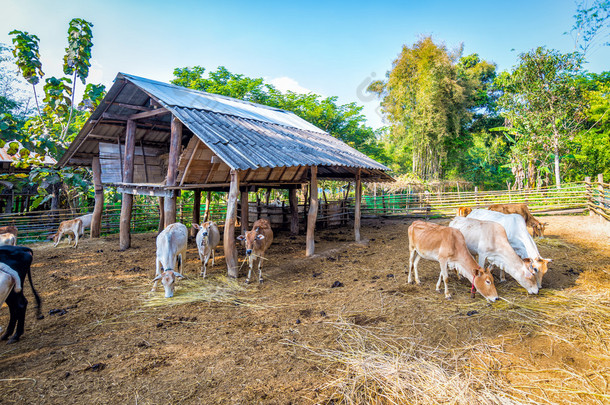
[{"x": 571, "y": 197}]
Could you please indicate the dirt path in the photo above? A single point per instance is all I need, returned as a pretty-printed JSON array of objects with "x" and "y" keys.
[{"x": 108, "y": 342}]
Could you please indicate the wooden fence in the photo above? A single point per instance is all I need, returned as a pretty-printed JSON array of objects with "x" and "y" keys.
[
  {"x": 598, "y": 197},
  {"x": 572, "y": 197}
]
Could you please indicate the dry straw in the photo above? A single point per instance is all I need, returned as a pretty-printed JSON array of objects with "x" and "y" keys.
[{"x": 219, "y": 289}]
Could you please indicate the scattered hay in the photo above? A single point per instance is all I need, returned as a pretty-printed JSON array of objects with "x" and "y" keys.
[
  {"x": 219, "y": 289},
  {"x": 380, "y": 369},
  {"x": 555, "y": 243}
]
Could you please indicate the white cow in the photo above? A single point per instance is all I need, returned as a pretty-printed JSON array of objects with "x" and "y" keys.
[
  {"x": 86, "y": 220},
  {"x": 171, "y": 247},
  {"x": 488, "y": 239},
  {"x": 518, "y": 237},
  {"x": 208, "y": 237},
  {"x": 9, "y": 279}
]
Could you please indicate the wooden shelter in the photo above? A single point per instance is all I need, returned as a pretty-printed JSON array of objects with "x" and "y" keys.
[{"x": 154, "y": 138}]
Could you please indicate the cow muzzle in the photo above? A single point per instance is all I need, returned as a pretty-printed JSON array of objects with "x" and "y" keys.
[{"x": 248, "y": 252}]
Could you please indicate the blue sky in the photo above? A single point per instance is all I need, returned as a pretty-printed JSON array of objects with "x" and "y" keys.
[{"x": 330, "y": 48}]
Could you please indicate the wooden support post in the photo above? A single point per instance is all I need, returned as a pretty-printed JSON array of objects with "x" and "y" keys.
[
  {"x": 589, "y": 195},
  {"x": 294, "y": 211},
  {"x": 358, "y": 198},
  {"x": 267, "y": 195},
  {"x": 313, "y": 212},
  {"x": 172, "y": 169},
  {"x": 127, "y": 200},
  {"x": 229, "y": 231},
  {"x": 208, "y": 201},
  {"x": 161, "y": 214},
  {"x": 245, "y": 222},
  {"x": 96, "y": 221},
  {"x": 196, "y": 210}
]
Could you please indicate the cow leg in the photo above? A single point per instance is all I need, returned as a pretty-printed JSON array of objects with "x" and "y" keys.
[
  {"x": 260, "y": 270},
  {"x": 76, "y": 240},
  {"x": 413, "y": 261},
  {"x": 205, "y": 263},
  {"x": 444, "y": 276},
  {"x": 250, "y": 263},
  {"x": 213, "y": 257},
  {"x": 22, "y": 305},
  {"x": 154, "y": 287}
]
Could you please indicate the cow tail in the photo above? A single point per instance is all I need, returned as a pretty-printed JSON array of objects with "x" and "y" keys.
[{"x": 36, "y": 296}]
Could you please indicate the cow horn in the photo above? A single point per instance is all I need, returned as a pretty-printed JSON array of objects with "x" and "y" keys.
[{"x": 158, "y": 277}]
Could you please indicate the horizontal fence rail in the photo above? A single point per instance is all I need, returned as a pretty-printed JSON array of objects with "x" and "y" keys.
[{"x": 39, "y": 225}]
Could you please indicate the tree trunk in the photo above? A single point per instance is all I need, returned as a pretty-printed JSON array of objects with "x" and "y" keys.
[
  {"x": 245, "y": 222},
  {"x": 196, "y": 210},
  {"x": 313, "y": 213},
  {"x": 229, "y": 231},
  {"x": 96, "y": 221},
  {"x": 357, "y": 201},
  {"x": 172, "y": 169},
  {"x": 557, "y": 173},
  {"x": 294, "y": 211}
]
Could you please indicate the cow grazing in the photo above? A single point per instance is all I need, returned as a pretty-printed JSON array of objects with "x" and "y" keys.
[
  {"x": 523, "y": 210},
  {"x": 19, "y": 259},
  {"x": 208, "y": 237},
  {"x": 87, "y": 218},
  {"x": 257, "y": 241},
  {"x": 463, "y": 211},
  {"x": 171, "y": 248},
  {"x": 518, "y": 237},
  {"x": 447, "y": 246},
  {"x": 488, "y": 240},
  {"x": 8, "y": 239},
  {"x": 9, "y": 229},
  {"x": 71, "y": 228}
]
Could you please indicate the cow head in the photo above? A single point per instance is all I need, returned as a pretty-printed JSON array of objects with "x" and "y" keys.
[
  {"x": 483, "y": 281},
  {"x": 168, "y": 279},
  {"x": 529, "y": 281},
  {"x": 538, "y": 229},
  {"x": 253, "y": 240},
  {"x": 540, "y": 267},
  {"x": 463, "y": 211},
  {"x": 204, "y": 230}
]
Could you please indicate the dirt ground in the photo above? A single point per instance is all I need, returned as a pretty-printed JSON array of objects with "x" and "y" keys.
[{"x": 105, "y": 340}]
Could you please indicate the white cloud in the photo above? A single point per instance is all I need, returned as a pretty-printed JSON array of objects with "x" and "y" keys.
[{"x": 284, "y": 84}]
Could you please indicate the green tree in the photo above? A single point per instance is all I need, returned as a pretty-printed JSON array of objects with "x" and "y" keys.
[
  {"x": 431, "y": 97},
  {"x": 542, "y": 102}
]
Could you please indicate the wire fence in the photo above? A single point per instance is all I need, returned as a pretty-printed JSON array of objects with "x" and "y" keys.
[{"x": 576, "y": 197}]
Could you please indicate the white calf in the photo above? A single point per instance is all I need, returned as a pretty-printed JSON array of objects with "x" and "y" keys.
[
  {"x": 208, "y": 237},
  {"x": 171, "y": 247}
]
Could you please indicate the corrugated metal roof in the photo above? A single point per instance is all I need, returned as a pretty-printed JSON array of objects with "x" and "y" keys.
[
  {"x": 243, "y": 134},
  {"x": 171, "y": 95}
]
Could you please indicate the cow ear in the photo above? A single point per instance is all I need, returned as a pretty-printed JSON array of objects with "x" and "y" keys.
[
  {"x": 477, "y": 271},
  {"x": 241, "y": 237},
  {"x": 196, "y": 226},
  {"x": 527, "y": 260},
  {"x": 178, "y": 275},
  {"x": 548, "y": 260},
  {"x": 257, "y": 228},
  {"x": 259, "y": 237}
]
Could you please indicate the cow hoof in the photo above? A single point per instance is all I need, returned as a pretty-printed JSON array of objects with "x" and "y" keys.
[
  {"x": 4, "y": 337},
  {"x": 448, "y": 296},
  {"x": 260, "y": 281},
  {"x": 503, "y": 281},
  {"x": 12, "y": 340},
  {"x": 439, "y": 291},
  {"x": 247, "y": 281}
]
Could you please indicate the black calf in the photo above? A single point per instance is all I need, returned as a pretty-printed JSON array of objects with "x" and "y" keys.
[{"x": 19, "y": 258}]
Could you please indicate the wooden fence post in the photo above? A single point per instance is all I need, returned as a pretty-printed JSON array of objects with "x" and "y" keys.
[
  {"x": 476, "y": 196},
  {"x": 245, "y": 211},
  {"x": 196, "y": 210},
  {"x": 600, "y": 190},
  {"x": 589, "y": 195},
  {"x": 208, "y": 201}
]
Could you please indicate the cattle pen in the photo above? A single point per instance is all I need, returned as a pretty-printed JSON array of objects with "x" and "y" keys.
[{"x": 572, "y": 198}]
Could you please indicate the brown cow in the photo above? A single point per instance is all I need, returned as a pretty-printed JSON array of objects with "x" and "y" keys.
[
  {"x": 9, "y": 229},
  {"x": 447, "y": 246},
  {"x": 258, "y": 241},
  {"x": 524, "y": 211},
  {"x": 463, "y": 211}
]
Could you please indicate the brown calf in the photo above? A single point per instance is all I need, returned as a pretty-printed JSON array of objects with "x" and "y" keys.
[
  {"x": 9, "y": 229},
  {"x": 524, "y": 211},
  {"x": 71, "y": 228},
  {"x": 447, "y": 246},
  {"x": 258, "y": 241},
  {"x": 463, "y": 211}
]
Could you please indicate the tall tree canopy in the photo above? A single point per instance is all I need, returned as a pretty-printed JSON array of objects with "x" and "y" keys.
[
  {"x": 543, "y": 105},
  {"x": 431, "y": 97}
]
